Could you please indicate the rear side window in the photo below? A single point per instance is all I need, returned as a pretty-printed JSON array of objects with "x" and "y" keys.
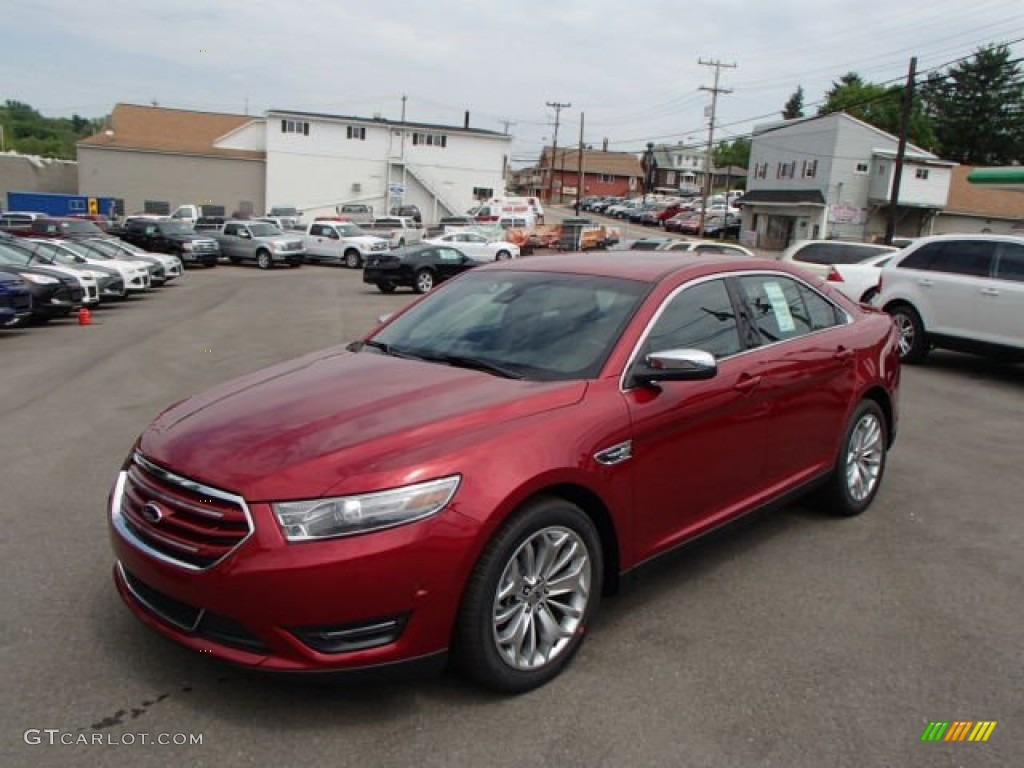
[
  {"x": 781, "y": 308},
  {"x": 1010, "y": 262},
  {"x": 957, "y": 257},
  {"x": 836, "y": 253}
]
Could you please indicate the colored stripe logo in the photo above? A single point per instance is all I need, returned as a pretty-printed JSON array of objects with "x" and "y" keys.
[{"x": 958, "y": 730}]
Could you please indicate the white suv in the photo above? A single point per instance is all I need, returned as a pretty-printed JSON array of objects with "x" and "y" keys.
[{"x": 963, "y": 292}]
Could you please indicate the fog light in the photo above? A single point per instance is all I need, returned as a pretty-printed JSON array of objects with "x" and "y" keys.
[{"x": 345, "y": 638}]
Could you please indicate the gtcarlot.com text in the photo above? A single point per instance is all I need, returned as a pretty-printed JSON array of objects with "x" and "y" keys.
[{"x": 57, "y": 737}]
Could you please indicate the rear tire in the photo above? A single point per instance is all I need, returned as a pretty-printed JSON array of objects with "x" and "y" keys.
[
  {"x": 858, "y": 472},
  {"x": 530, "y": 597},
  {"x": 424, "y": 281},
  {"x": 913, "y": 342},
  {"x": 503, "y": 256}
]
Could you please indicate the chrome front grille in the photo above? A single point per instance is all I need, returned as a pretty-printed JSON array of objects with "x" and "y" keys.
[{"x": 176, "y": 519}]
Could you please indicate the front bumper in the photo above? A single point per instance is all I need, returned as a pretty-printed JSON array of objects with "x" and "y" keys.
[{"x": 391, "y": 596}]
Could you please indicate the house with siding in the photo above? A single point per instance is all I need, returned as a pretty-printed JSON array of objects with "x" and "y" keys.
[
  {"x": 157, "y": 158},
  {"x": 831, "y": 177},
  {"x": 603, "y": 174},
  {"x": 977, "y": 208}
]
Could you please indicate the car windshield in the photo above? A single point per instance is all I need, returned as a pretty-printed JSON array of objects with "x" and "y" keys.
[
  {"x": 263, "y": 229},
  {"x": 81, "y": 250},
  {"x": 538, "y": 325},
  {"x": 14, "y": 256},
  {"x": 176, "y": 228}
]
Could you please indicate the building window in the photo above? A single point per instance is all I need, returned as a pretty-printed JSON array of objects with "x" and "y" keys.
[
  {"x": 861, "y": 168},
  {"x": 357, "y": 132},
  {"x": 785, "y": 170},
  {"x": 607, "y": 178},
  {"x": 810, "y": 169},
  {"x": 76, "y": 205},
  {"x": 483, "y": 193},
  {"x": 430, "y": 139},
  {"x": 157, "y": 207},
  {"x": 295, "y": 126},
  {"x": 921, "y": 173}
]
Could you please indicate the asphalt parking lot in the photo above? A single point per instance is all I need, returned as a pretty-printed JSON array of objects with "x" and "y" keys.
[{"x": 794, "y": 640}]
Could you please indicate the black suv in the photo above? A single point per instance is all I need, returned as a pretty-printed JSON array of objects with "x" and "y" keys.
[{"x": 166, "y": 236}]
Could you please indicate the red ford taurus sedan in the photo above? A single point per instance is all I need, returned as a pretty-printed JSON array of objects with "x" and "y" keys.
[{"x": 471, "y": 477}]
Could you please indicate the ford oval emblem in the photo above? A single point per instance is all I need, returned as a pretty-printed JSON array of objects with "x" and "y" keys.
[{"x": 152, "y": 513}]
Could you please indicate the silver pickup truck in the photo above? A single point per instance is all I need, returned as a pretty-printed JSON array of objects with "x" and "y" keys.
[
  {"x": 397, "y": 230},
  {"x": 259, "y": 241}
]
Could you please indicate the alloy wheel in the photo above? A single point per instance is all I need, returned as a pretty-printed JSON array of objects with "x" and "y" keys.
[
  {"x": 864, "y": 454},
  {"x": 541, "y": 598}
]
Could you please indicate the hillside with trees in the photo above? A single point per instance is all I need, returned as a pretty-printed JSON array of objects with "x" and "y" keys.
[{"x": 28, "y": 132}]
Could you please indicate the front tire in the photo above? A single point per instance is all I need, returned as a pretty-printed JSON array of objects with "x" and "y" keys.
[
  {"x": 530, "y": 597},
  {"x": 352, "y": 259},
  {"x": 424, "y": 281},
  {"x": 913, "y": 342},
  {"x": 263, "y": 260},
  {"x": 858, "y": 473}
]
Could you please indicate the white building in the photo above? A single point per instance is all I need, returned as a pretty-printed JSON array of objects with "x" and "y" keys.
[
  {"x": 317, "y": 162},
  {"x": 831, "y": 177}
]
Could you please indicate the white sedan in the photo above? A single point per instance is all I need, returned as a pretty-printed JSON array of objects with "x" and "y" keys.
[
  {"x": 477, "y": 246},
  {"x": 859, "y": 281}
]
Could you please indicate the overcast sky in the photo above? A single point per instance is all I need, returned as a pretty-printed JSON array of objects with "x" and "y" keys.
[{"x": 630, "y": 65}]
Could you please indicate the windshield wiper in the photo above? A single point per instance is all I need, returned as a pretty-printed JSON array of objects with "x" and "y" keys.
[
  {"x": 387, "y": 349},
  {"x": 473, "y": 363}
]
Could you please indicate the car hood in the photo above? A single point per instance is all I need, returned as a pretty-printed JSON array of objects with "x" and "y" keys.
[
  {"x": 302, "y": 427},
  {"x": 364, "y": 239}
]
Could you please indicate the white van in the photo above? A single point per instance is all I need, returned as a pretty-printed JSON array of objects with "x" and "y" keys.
[{"x": 517, "y": 207}]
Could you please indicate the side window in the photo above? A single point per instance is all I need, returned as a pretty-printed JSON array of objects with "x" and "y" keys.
[
  {"x": 1010, "y": 262},
  {"x": 699, "y": 317},
  {"x": 231, "y": 229},
  {"x": 776, "y": 307},
  {"x": 317, "y": 230},
  {"x": 449, "y": 254},
  {"x": 959, "y": 257}
]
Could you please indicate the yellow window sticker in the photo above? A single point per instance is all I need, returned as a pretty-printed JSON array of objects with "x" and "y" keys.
[{"x": 780, "y": 307}]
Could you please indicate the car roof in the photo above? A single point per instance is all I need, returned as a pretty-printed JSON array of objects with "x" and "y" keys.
[{"x": 644, "y": 266}]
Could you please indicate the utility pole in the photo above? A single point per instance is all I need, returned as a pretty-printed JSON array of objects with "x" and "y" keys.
[
  {"x": 901, "y": 150},
  {"x": 507, "y": 124},
  {"x": 401, "y": 200},
  {"x": 558, "y": 107},
  {"x": 579, "y": 168},
  {"x": 715, "y": 90}
]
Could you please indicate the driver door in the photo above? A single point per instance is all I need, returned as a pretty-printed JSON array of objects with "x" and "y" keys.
[{"x": 698, "y": 446}]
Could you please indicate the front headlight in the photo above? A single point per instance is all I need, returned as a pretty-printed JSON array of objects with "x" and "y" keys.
[
  {"x": 186, "y": 246},
  {"x": 40, "y": 279},
  {"x": 347, "y": 515}
]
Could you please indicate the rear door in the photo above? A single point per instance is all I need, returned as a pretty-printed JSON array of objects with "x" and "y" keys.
[{"x": 805, "y": 364}]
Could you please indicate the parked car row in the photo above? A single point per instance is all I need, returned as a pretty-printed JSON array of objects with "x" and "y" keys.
[{"x": 61, "y": 276}]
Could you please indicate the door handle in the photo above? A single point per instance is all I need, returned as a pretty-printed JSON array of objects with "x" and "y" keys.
[
  {"x": 747, "y": 383},
  {"x": 843, "y": 354},
  {"x": 926, "y": 283},
  {"x": 989, "y": 292}
]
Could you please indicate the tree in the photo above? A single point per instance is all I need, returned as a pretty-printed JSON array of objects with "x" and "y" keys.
[
  {"x": 735, "y": 153},
  {"x": 27, "y": 131},
  {"x": 794, "y": 108},
  {"x": 880, "y": 106},
  {"x": 977, "y": 108}
]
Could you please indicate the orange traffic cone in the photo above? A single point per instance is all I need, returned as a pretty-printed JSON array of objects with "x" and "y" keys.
[{"x": 84, "y": 316}]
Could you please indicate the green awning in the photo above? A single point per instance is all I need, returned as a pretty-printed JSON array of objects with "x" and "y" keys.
[{"x": 1006, "y": 177}]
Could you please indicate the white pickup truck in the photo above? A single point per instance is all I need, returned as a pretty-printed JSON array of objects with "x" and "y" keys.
[
  {"x": 341, "y": 242},
  {"x": 397, "y": 230}
]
